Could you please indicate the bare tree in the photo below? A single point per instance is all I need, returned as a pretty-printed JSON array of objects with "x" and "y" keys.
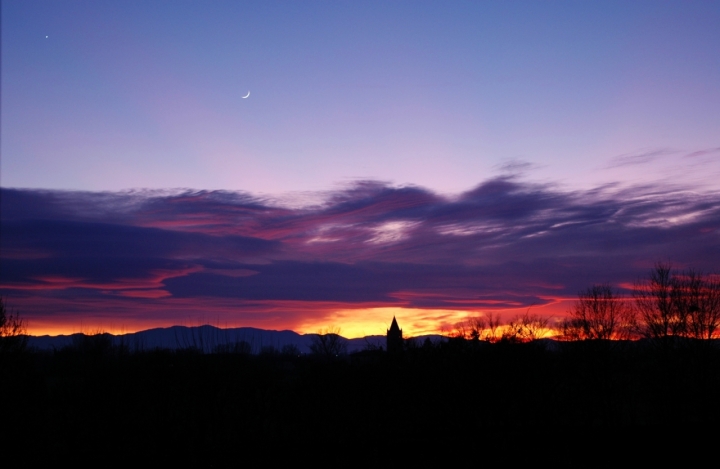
[
  {"x": 462, "y": 330},
  {"x": 481, "y": 327},
  {"x": 328, "y": 343},
  {"x": 654, "y": 304},
  {"x": 485, "y": 327},
  {"x": 290, "y": 350},
  {"x": 12, "y": 330},
  {"x": 696, "y": 299},
  {"x": 599, "y": 313},
  {"x": 526, "y": 328},
  {"x": 571, "y": 329},
  {"x": 493, "y": 326}
]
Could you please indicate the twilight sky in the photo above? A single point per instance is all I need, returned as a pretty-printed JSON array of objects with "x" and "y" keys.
[{"x": 424, "y": 159}]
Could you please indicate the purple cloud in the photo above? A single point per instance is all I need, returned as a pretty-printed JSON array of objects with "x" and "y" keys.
[{"x": 504, "y": 244}]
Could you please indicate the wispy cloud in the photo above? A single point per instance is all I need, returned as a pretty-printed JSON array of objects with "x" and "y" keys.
[
  {"x": 643, "y": 157},
  {"x": 516, "y": 166},
  {"x": 707, "y": 151}
]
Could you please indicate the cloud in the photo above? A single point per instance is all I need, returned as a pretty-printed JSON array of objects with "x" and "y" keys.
[
  {"x": 504, "y": 244},
  {"x": 645, "y": 157},
  {"x": 707, "y": 151},
  {"x": 516, "y": 166}
]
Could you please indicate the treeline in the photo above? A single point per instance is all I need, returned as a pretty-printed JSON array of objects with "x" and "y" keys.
[
  {"x": 668, "y": 304},
  {"x": 500, "y": 399}
]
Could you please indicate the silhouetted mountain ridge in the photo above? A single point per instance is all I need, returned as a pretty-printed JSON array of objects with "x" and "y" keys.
[{"x": 210, "y": 338}]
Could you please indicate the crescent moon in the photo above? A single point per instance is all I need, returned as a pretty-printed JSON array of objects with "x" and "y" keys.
[{"x": 246, "y": 95}]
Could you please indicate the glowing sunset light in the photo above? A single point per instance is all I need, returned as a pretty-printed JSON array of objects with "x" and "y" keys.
[
  {"x": 429, "y": 161},
  {"x": 228, "y": 227},
  {"x": 374, "y": 321}
]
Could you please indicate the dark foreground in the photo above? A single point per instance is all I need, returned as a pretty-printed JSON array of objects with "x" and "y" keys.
[{"x": 582, "y": 404}]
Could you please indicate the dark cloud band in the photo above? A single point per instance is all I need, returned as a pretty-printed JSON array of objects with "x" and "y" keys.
[{"x": 504, "y": 244}]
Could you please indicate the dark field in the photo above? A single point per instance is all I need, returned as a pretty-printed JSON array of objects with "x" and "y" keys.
[{"x": 577, "y": 404}]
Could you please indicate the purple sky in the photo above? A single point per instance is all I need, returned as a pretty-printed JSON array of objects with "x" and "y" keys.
[{"x": 429, "y": 159}]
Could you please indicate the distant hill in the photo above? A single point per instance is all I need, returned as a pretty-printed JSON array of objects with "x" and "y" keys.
[{"x": 209, "y": 338}]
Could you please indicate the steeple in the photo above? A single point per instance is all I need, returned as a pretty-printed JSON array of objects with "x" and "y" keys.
[{"x": 394, "y": 338}]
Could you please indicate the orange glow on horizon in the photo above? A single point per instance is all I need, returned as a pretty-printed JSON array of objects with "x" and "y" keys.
[
  {"x": 353, "y": 320},
  {"x": 356, "y": 323}
]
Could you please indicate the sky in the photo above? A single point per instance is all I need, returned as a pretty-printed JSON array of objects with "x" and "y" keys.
[{"x": 430, "y": 160}]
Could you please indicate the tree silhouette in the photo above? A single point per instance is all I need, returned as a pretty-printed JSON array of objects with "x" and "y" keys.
[
  {"x": 678, "y": 304},
  {"x": 654, "y": 304},
  {"x": 12, "y": 330},
  {"x": 526, "y": 328},
  {"x": 599, "y": 313},
  {"x": 328, "y": 343},
  {"x": 481, "y": 327},
  {"x": 290, "y": 350},
  {"x": 696, "y": 299}
]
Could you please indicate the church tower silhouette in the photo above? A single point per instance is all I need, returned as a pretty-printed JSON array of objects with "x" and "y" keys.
[{"x": 394, "y": 338}]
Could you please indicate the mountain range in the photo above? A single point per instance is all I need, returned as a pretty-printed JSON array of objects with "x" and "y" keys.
[{"x": 210, "y": 338}]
